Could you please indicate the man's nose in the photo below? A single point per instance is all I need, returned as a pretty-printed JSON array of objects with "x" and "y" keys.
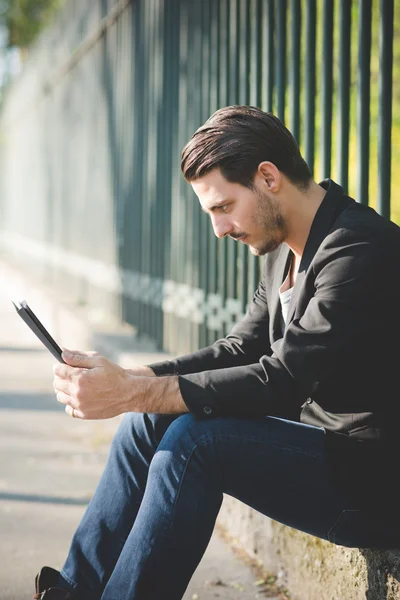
[{"x": 221, "y": 227}]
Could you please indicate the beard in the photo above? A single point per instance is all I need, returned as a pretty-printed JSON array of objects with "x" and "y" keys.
[{"x": 269, "y": 217}]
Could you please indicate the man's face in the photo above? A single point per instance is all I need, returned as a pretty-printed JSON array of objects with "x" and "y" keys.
[{"x": 249, "y": 215}]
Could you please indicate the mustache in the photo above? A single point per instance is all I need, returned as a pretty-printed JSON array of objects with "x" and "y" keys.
[{"x": 237, "y": 236}]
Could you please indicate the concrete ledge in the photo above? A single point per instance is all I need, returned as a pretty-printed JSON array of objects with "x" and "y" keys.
[{"x": 311, "y": 568}]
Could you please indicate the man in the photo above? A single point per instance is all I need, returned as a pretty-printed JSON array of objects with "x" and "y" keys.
[{"x": 295, "y": 412}]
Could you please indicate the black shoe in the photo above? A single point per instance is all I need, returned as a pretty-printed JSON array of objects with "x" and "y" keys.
[{"x": 45, "y": 585}]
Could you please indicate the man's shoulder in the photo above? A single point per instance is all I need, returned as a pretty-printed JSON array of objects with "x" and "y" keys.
[
  {"x": 360, "y": 240},
  {"x": 362, "y": 224},
  {"x": 361, "y": 218}
]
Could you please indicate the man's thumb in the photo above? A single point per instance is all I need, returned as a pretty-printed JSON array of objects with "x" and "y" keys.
[{"x": 75, "y": 358}]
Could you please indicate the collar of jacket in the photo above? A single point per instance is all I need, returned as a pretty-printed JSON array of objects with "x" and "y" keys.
[{"x": 333, "y": 203}]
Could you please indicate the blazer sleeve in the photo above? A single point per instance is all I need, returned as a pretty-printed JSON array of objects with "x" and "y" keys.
[
  {"x": 335, "y": 322},
  {"x": 245, "y": 344}
]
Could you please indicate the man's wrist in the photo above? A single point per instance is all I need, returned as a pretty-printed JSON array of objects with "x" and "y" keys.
[
  {"x": 142, "y": 371},
  {"x": 154, "y": 395},
  {"x": 165, "y": 396}
]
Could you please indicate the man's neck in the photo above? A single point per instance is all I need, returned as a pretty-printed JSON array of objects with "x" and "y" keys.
[{"x": 300, "y": 212}]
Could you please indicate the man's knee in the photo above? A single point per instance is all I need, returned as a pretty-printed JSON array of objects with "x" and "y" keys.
[
  {"x": 187, "y": 440},
  {"x": 186, "y": 432},
  {"x": 141, "y": 428}
]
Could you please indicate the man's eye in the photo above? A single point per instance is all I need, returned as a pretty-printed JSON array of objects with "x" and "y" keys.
[{"x": 224, "y": 208}]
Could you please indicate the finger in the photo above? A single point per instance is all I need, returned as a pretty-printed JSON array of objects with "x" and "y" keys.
[
  {"x": 64, "y": 371},
  {"x": 83, "y": 352},
  {"x": 82, "y": 360},
  {"x": 64, "y": 385},
  {"x": 73, "y": 412},
  {"x": 63, "y": 398}
]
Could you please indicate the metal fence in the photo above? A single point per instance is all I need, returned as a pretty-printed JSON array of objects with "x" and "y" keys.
[{"x": 92, "y": 198}]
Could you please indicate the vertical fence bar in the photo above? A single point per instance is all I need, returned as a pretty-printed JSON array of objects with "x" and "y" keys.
[
  {"x": 281, "y": 59},
  {"x": 214, "y": 74},
  {"x": 234, "y": 55},
  {"x": 363, "y": 99},
  {"x": 196, "y": 105},
  {"x": 234, "y": 98},
  {"x": 154, "y": 134},
  {"x": 167, "y": 149},
  {"x": 269, "y": 51},
  {"x": 191, "y": 208},
  {"x": 161, "y": 203},
  {"x": 244, "y": 51},
  {"x": 204, "y": 225},
  {"x": 149, "y": 251},
  {"x": 327, "y": 88},
  {"x": 244, "y": 85},
  {"x": 138, "y": 162},
  {"x": 164, "y": 118},
  {"x": 309, "y": 64},
  {"x": 179, "y": 217},
  {"x": 143, "y": 85},
  {"x": 177, "y": 181},
  {"x": 155, "y": 140},
  {"x": 256, "y": 40},
  {"x": 144, "y": 112},
  {"x": 385, "y": 105},
  {"x": 295, "y": 70},
  {"x": 224, "y": 21},
  {"x": 256, "y": 53},
  {"x": 344, "y": 93},
  {"x": 168, "y": 163}
]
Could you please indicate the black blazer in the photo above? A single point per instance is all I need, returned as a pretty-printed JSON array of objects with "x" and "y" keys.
[{"x": 336, "y": 364}]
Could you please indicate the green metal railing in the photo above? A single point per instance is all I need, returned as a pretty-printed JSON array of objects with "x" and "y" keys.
[{"x": 92, "y": 198}]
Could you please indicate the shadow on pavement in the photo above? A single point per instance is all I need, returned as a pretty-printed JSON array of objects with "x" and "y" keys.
[
  {"x": 29, "y": 401},
  {"x": 21, "y": 349},
  {"x": 43, "y": 499}
]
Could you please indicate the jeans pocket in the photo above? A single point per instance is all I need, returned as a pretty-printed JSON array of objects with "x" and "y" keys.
[{"x": 363, "y": 529}]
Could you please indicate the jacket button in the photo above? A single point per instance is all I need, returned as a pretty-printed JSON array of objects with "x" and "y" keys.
[
  {"x": 308, "y": 401},
  {"x": 207, "y": 410}
]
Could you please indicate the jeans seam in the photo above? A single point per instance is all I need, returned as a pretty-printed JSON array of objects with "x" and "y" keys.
[
  {"x": 343, "y": 510},
  {"x": 272, "y": 445},
  {"x": 208, "y": 437},
  {"x": 204, "y": 438},
  {"x": 167, "y": 529},
  {"x": 75, "y": 586}
]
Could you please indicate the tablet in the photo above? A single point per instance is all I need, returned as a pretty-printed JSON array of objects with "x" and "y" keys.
[{"x": 38, "y": 329}]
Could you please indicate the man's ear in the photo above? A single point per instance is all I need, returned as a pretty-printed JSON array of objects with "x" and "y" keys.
[{"x": 271, "y": 176}]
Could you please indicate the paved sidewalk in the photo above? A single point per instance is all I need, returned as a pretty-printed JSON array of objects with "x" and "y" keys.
[{"x": 49, "y": 467}]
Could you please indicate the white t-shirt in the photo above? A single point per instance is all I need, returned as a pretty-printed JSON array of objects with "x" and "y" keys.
[{"x": 285, "y": 295}]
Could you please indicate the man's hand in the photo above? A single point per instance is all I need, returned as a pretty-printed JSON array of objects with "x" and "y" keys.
[{"x": 93, "y": 387}]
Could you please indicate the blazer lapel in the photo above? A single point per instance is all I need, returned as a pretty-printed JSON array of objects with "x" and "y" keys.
[
  {"x": 295, "y": 293},
  {"x": 331, "y": 206},
  {"x": 281, "y": 269}
]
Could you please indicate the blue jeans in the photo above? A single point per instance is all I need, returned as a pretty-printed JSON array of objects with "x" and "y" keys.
[{"x": 153, "y": 513}]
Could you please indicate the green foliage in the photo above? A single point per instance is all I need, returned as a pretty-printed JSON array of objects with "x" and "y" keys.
[{"x": 25, "y": 19}]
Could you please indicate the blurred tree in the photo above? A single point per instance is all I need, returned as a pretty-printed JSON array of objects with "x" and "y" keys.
[{"x": 25, "y": 19}]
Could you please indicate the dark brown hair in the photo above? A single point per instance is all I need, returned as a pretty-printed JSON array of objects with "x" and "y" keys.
[{"x": 236, "y": 139}]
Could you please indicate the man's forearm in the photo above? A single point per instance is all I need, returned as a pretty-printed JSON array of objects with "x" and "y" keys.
[
  {"x": 142, "y": 370},
  {"x": 159, "y": 395}
]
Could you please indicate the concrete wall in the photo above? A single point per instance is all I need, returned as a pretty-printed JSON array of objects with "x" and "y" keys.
[{"x": 312, "y": 569}]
